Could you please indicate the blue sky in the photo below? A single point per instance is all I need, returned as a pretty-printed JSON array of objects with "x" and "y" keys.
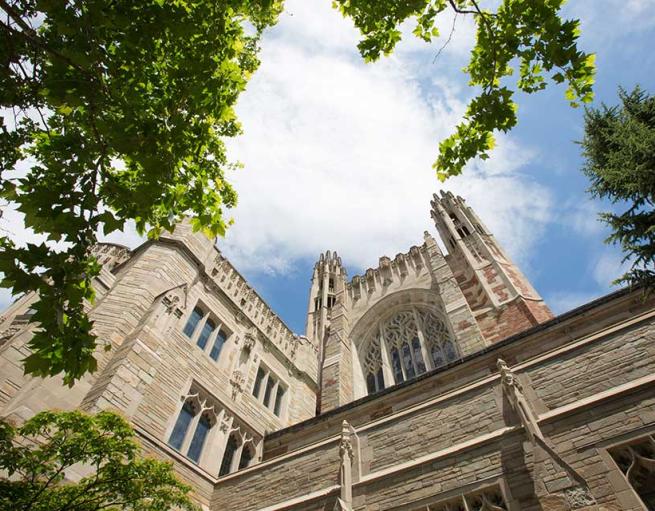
[{"x": 338, "y": 155}]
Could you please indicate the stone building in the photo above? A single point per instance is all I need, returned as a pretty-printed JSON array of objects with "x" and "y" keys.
[{"x": 434, "y": 382}]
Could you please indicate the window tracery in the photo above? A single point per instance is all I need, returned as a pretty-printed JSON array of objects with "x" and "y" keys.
[
  {"x": 489, "y": 499},
  {"x": 373, "y": 366},
  {"x": 415, "y": 341},
  {"x": 208, "y": 433},
  {"x": 636, "y": 461},
  {"x": 194, "y": 422},
  {"x": 441, "y": 348},
  {"x": 239, "y": 452}
]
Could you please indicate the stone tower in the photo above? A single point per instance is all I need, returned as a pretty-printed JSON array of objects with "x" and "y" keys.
[
  {"x": 501, "y": 297},
  {"x": 418, "y": 311},
  {"x": 328, "y": 281}
]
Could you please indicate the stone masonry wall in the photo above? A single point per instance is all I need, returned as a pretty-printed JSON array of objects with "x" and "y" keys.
[{"x": 590, "y": 381}]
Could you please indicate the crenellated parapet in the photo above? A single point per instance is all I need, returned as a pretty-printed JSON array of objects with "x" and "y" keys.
[
  {"x": 390, "y": 273},
  {"x": 256, "y": 310}
]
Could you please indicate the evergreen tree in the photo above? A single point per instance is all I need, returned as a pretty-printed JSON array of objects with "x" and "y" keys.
[{"x": 619, "y": 148}]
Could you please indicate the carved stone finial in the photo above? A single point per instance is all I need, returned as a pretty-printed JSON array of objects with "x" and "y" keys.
[
  {"x": 346, "y": 454},
  {"x": 345, "y": 445}
]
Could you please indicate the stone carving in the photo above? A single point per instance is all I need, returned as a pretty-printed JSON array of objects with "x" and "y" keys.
[
  {"x": 8, "y": 333},
  {"x": 249, "y": 340},
  {"x": 170, "y": 302},
  {"x": 578, "y": 497},
  {"x": 346, "y": 455},
  {"x": 238, "y": 382},
  {"x": 514, "y": 393}
]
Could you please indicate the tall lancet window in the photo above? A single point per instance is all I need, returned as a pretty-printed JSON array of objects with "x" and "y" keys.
[
  {"x": 408, "y": 344},
  {"x": 373, "y": 368}
]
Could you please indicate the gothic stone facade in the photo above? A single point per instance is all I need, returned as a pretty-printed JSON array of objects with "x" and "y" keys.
[{"x": 437, "y": 381}]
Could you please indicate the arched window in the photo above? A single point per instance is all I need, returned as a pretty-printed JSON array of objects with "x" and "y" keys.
[
  {"x": 190, "y": 431},
  {"x": 199, "y": 437},
  {"x": 373, "y": 367},
  {"x": 246, "y": 457},
  {"x": 416, "y": 341},
  {"x": 441, "y": 347},
  {"x": 228, "y": 455},
  {"x": 401, "y": 336},
  {"x": 182, "y": 425}
]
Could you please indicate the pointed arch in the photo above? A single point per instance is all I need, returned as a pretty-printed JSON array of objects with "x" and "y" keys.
[{"x": 401, "y": 337}]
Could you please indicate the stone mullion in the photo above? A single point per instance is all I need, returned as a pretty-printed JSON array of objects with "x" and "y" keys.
[
  {"x": 400, "y": 358},
  {"x": 214, "y": 444},
  {"x": 264, "y": 384},
  {"x": 427, "y": 359},
  {"x": 387, "y": 370},
  {"x": 271, "y": 402}
]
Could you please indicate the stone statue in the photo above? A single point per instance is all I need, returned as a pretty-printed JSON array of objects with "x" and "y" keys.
[{"x": 520, "y": 404}]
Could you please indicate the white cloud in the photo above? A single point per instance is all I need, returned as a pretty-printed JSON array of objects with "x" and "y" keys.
[
  {"x": 606, "y": 21},
  {"x": 338, "y": 155},
  {"x": 609, "y": 266},
  {"x": 581, "y": 215}
]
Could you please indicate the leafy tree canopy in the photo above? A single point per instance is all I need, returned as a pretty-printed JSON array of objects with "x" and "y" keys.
[
  {"x": 122, "y": 109},
  {"x": 619, "y": 151},
  {"x": 526, "y": 34},
  {"x": 38, "y": 455}
]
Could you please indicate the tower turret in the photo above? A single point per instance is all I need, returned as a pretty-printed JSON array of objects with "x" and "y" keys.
[
  {"x": 500, "y": 296},
  {"x": 328, "y": 280},
  {"x": 328, "y": 285}
]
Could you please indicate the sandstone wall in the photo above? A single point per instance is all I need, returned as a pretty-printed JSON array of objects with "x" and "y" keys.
[{"x": 588, "y": 378}]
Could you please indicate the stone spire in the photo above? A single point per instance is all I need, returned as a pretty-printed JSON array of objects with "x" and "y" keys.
[
  {"x": 328, "y": 280},
  {"x": 486, "y": 274}
]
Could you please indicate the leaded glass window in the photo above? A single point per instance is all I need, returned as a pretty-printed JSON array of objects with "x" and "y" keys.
[
  {"x": 395, "y": 363},
  {"x": 488, "y": 499},
  {"x": 416, "y": 341},
  {"x": 373, "y": 367},
  {"x": 269, "y": 391},
  {"x": 418, "y": 356},
  {"x": 228, "y": 455},
  {"x": 212, "y": 332},
  {"x": 205, "y": 334},
  {"x": 440, "y": 345},
  {"x": 277, "y": 409},
  {"x": 258, "y": 381},
  {"x": 408, "y": 363},
  {"x": 246, "y": 457},
  {"x": 181, "y": 426},
  {"x": 218, "y": 345},
  {"x": 199, "y": 437},
  {"x": 192, "y": 322}
]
